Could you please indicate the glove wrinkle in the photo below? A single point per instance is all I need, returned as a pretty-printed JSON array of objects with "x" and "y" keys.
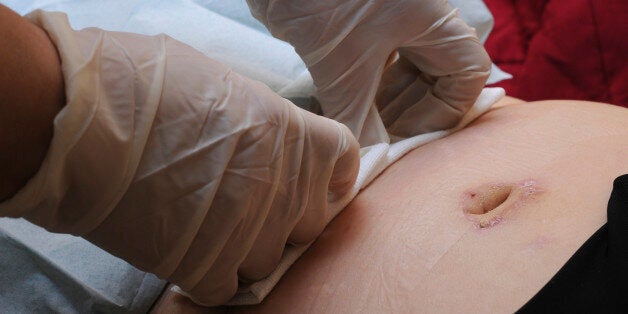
[
  {"x": 434, "y": 27},
  {"x": 174, "y": 163},
  {"x": 346, "y": 51}
]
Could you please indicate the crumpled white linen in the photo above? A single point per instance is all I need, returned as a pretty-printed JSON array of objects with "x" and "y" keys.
[{"x": 180, "y": 166}]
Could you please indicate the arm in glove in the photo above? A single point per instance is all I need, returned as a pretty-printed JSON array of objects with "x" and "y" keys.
[
  {"x": 180, "y": 166},
  {"x": 346, "y": 44}
]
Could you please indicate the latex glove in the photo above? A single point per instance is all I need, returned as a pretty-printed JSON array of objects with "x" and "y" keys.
[
  {"x": 346, "y": 44},
  {"x": 171, "y": 161}
]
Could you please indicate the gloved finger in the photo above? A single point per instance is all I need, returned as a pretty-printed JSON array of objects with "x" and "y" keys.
[
  {"x": 396, "y": 78},
  {"x": 346, "y": 94},
  {"x": 347, "y": 166},
  {"x": 266, "y": 252},
  {"x": 220, "y": 282},
  {"x": 287, "y": 209},
  {"x": 401, "y": 86},
  {"x": 434, "y": 114},
  {"x": 288, "y": 202},
  {"x": 454, "y": 57},
  {"x": 338, "y": 152},
  {"x": 262, "y": 178},
  {"x": 337, "y": 164},
  {"x": 329, "y": 161}
]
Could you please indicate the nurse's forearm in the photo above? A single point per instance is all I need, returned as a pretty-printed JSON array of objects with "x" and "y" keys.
[{"x": 32, "y": 93}]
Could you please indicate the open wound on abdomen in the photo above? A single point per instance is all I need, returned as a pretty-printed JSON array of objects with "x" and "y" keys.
[{"x": 486, "y": 205}]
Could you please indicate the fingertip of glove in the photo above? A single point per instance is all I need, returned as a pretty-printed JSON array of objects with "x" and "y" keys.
[{"x": 347, "y": 165}]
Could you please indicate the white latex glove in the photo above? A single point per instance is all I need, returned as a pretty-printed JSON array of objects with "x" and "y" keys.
[
  {"x": 171, "y": 161},
  {"x": 346, "y": 44}
]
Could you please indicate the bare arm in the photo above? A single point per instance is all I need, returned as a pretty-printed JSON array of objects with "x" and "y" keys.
[{"x": 31, "y": 94}]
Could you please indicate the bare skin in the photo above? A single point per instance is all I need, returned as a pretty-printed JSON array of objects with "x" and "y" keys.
[
  {"x": 31, "y": 85},
  {"x": 414, "y": 239}
]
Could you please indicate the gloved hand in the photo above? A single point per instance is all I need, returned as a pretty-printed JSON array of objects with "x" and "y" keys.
[
  {"x": 178, "y": 165},
  {"x": 346, "y": 44}
]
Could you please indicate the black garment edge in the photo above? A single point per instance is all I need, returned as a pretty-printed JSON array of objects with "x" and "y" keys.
[{"x": 594, "y": 279}]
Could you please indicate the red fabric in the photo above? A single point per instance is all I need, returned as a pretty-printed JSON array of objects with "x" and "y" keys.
[{"x": 562, "y": 49}]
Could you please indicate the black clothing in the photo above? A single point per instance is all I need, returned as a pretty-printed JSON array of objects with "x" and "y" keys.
[{"x": 594, "y": 279}]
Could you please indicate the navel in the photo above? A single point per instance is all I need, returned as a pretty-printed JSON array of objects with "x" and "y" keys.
[{"x": 487, "y": 205}]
